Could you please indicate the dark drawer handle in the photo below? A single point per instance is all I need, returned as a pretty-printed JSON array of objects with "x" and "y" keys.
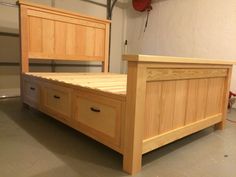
[
  {"x": 95, "y": 109},
  {"x": 57, "y": 97},
  {"x": 32, "y": 88}
]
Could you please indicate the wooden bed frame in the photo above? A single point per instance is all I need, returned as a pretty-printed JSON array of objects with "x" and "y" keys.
[{"x": 166, "y": 98}]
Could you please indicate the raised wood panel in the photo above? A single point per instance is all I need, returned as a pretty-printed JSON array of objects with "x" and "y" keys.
[
  {"x": 48, "y": 29},
  {"x": 99, "y": 117},
  {"x": 99, "y": 42},
  {"x": 202, "y": 98},
  {"x": 60, "y": 38},
  {"x": 167, "y": 106},
  {"x": 180, "y": 103},
  {"x": 155, "y": 74},
  {"x": 35, "y": 34},
  {"x": 152, "y": 109},
  {"x": 90, "y": 41},
  {"x": 215, "y": 96},
  {"x": 70, "y": 39},
  {"x": 191, "y": 109},
  {"x": 174, "y": 104}
]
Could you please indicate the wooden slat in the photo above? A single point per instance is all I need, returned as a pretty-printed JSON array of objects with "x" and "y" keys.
[
  {"x": 113, "y": 83},
  {"x": 167, "y": 106},
  {"x": 99, "y": 43},
  {"x": 35, "y": 36},
  {"x": 180, "y": 103},
  {"x": 202, "y": 98},
  {"x": 155, "y": 74},
  {"x": 90, "y": 42},
  {"x": 60, "y": 38},
  {"x": 191, "y": 109},
  {"x": 152, "y": 109},
  {"x": 70, "y": 39},
  {"x": 215, "y": 95},
  {"x": 48, "y": 36}
]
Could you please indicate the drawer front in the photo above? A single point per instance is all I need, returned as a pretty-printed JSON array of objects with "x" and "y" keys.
[
  {"x": 57, "y": 101},
  {"x": 31, "y": 93},
  {"x": 99, "y": 117}
]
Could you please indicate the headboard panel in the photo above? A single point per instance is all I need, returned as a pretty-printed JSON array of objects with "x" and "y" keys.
[{"x": 49, "y": 33}]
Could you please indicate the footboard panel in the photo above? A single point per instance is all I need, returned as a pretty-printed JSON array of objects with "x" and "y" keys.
[{"x": 169, "y": 98}]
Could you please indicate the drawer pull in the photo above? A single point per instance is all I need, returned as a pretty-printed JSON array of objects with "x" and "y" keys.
[
  {"x": 57, "y": 97},
  {"x": 32, "y": 88},
  {"x": 95, "y": 109}
]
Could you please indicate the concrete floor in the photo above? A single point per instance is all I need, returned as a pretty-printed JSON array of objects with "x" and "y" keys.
[{"x": 34, "y": 145}]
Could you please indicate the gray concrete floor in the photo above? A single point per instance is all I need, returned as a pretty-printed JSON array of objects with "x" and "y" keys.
[{"x": 34, "y": 145}]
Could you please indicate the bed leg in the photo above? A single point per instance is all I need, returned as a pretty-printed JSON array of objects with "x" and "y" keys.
[
  {"x": 220, "y": 126},
  {"x": 132, "y": 164}
]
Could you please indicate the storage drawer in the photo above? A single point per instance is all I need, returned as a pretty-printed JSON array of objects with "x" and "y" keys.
[
  {"x": 31, "y": 93},
  {"x": 57, "y": 101},
  {"x": 99, "y": 117}
]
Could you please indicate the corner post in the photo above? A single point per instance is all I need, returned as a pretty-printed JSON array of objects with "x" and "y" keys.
[
  {"x": 105, "y": 63},
  {"x": 24, "y": 60},
  {"x": 221, "y": 125},
  {"x": 134, "y": 121}
]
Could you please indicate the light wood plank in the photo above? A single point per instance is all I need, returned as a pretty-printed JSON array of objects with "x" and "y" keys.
[
  {"x": 48, "y": 36},
  {"x": 191, "y": 109},
  {"x": 167, "y": 106},
  {"x": 154, "y": 74},
  {"x": 152, "y": 109},
  {"x": 70, "y": 39},
  {"x": 60, "y": 38},
  {"x": 202, "y": 98},
  {"x": 136, "y": 90},
  {"x": 163, "y": 139},
  {"x": 215, "y": 95},
  {"x": 35, "y": 36},
  {"x": 99, "y": 43},
  {"x": 180, "y": 103}
]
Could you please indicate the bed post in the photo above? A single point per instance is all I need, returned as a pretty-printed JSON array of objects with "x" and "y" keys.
[
  {"x": 135, "y": 104},
  {"x": 221, "y": 125},
  {"x": 24, "y": 60},
  {"x": 105, "y": 63}
]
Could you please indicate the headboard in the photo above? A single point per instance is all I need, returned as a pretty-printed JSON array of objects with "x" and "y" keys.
[{"x": 50, "y": 33}]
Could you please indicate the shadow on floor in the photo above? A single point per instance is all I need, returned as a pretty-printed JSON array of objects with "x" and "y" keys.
[{"x": 84, "y": 155}]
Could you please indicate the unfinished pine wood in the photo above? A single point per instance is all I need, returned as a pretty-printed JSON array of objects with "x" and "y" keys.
[
  {"x": 60, "y": 38},
  {"x": 167, "y": 98},
  {"x": 31, "y": 93},
  {"x": 152, "y": 109},
  {"x": 192, "y": 95},
  {"x": 202, "y": 98},
  {"x": 180, "y": 103},
  {"x": 35, "y": 30},
  {"x": 56, "y": 101},
  {"x": 154, "y": 59},
  {"x": 98, "y": 117},
  {"x": 60, "y": 35},
  {"x": 225, "y": 98},
  {"x": 112, "y": 83},
  {"x": 215, "y": 96},
  {"x": 167, "y": 106},
  {"x": 165, "y": 138},
  {"x": 175, "y": 74},
  {"x": 136, "y": 89}
]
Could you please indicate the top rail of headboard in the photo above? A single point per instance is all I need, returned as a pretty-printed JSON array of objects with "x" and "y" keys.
[{"x": 51, "y": 33}]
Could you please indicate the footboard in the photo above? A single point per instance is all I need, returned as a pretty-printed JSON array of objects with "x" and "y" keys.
[{"x": 169, "y": 98}]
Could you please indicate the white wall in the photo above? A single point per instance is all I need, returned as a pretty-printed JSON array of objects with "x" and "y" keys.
[{"x": 198, "y": 28}]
